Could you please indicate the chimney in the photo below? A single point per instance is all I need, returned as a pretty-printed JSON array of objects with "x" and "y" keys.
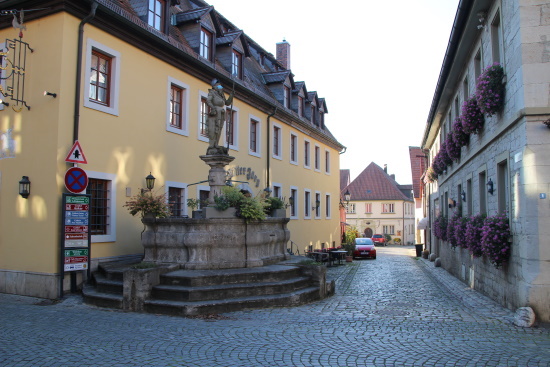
[
  {"x": 283, "y": 54},
  {"x": 386, "y": 168},
  {"x": 392, "y": 176}
]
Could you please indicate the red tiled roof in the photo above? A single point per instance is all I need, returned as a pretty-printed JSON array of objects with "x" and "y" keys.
[
  {"x": 375, "y": 184},
  {"x": 418, "y": 167}
]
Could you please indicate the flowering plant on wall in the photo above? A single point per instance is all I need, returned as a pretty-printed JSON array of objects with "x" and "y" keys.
[
  {"x": 453, "y": 150},
  {"x": 456, "y": 229},
  {"x": 472, "y": 118},
  {"x": 472, "y": 234},
  {"x": 460, "y": 137},
  {"x": 148, "y": 203},
  {"x": 490, "y": 89},
  {"x": 440, "y": 227},
  {"x": 444, "y": 155},
  {"x": 494, "y": 239},
  {"x": 430, "y": 174},
  {"x": 438, "y": 165}
]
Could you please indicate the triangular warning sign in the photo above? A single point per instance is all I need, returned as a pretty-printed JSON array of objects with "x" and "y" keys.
[{"x": 76, "y": 155}]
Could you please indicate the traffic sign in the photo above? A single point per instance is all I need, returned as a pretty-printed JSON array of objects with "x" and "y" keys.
[
  {"x": 76, "y": 155},
  {"x": 76, "y": 180}
]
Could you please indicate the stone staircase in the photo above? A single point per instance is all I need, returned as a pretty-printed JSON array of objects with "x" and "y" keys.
[{"x": 198, "y": 292}]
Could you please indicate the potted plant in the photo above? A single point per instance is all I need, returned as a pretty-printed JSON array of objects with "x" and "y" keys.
[
  {"x": 490, "y": 89},
  {"x": 275, "y": 207},
  {"x": 350, "y": 248},
  {"x": 472, "y": 119},
  {"x": 349, "y": 242},
  {"x": 149, "y": 205},
  {"x": 194, "y": 204},
  {"x": 494, "y": 239}
]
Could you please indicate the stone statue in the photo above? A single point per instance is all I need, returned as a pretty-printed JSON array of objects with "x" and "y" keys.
[{"x": 216, "y": 117}]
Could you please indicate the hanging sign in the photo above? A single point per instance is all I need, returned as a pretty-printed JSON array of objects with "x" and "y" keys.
[
  {"x": 76, "y": 180},
  {"x": 76, "y": 155}
]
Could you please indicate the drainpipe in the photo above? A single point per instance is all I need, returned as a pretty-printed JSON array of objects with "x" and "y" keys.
[
  {"x": 80, "y": 51},
  {"x": 268, "y": 181}
]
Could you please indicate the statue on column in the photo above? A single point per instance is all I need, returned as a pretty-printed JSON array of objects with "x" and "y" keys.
[{"x": 216, "y": 117}]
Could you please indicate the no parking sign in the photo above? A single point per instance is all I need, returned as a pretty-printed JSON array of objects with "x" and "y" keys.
[{"x": 76, "y": 180}]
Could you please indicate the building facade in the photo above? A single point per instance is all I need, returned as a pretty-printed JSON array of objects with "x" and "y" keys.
[
  {"x": 379, "y": 205},
  {"x": 128, "y": 80},
  {"x": 500, "y": 165}
]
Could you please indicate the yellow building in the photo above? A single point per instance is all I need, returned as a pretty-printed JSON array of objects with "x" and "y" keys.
[{"x": 128, "y": 80}]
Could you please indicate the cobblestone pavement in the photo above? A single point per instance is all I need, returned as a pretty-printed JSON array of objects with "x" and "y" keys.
[{"x": 396, "y": 310}]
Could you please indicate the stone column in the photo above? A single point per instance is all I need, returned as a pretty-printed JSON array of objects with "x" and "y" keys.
[{"x": 217, "y": 173}]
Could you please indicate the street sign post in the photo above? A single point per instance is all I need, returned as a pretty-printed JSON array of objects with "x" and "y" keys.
[
  {"x": 76, "y": 180},
  {"x": 75, "y": 240}
]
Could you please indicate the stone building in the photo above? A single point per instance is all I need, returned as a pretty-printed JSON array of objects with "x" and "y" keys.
[{"x": 500, "y": 163}]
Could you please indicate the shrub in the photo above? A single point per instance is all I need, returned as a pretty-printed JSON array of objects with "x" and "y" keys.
[
  {"x": 490, "y": 89},
  {"x": 494, "y": 239},
  {"x": 472, "y": 234},
  {"x": 146, "y": 202}
]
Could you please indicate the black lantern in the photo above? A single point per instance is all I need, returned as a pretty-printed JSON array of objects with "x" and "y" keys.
[
  {"x": 463, "y": 195},
  {"x": 317, "y": 204},
  {"x": 150, "y": 181},
  {"x": 490, "y": 188},
  {"x": 25, "y": 187},
  {"x": 291, "y": 201},
  {"x": 347, "y": 196}
]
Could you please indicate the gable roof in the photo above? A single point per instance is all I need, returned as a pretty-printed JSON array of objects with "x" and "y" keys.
[{"x": 375, "y": 184}]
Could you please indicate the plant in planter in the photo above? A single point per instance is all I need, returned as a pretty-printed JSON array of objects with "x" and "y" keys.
[
  {"x": 490, "y": 89},
  {"x": 460, "y": 137},
  {"x": 274, "y": 203},
  {"x": 472, "y": 117},
  {"x": 440, "y": 227},
  {"x": 472, "y": 234},
  {"x": 494, "y": 239},
  {"x": 230, "y": 197},
  {"x": 445, "y": 158},
  {"x": 148, "y": 203},
  {"x": 454, "y": 227},
  {"x": 194, "y": 204},
  {"x": 438, "y": 165},
  {"x": 453, "y": 149},
  {"x": 431, "y": 175}
]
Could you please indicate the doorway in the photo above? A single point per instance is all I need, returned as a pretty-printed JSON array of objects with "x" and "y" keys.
[{"x": 368, "y": 232}]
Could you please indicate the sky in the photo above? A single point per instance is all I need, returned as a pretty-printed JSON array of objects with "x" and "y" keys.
[{"x": 376, "y": 63}]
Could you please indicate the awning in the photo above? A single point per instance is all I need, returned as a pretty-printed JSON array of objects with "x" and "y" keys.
[{"x": 423, "y": 223}]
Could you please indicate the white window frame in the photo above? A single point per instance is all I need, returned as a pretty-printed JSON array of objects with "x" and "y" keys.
[
  {"x": 112, "y": 178},
  {"x": 115, "y": 56},
  {"x": 327, "y": 161},
  {"x": 328, "y": 205},
  {"x": 199, "y": 136},
  {"x": 367, "y": 207},
  {"x": 390, "y": 206},
  {"x": 199, "y": 189},
  {"x": 318, "y": 210},
  {"x": 235, "y": 145},
  {"x": 307, "y": 156},
  {"x": 184, "y": 106},
  {"x": 257, "y": 153},
  {"x": 296, "y": 149},
  {"x": 280, "y": 144},
  {"x": 178, "y": 185},
  {"x": 317, "y": 158},
  {"x": 307, "y": 204},
  {"x": 296, "y": 202},
  {"x": 279, "y": 186}
]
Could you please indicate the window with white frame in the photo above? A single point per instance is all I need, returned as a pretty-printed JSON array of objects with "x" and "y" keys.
[
  {"x": 350, "y": 208},
  {"x": 277, "y": 144},
  {"x": 203, "y": 117},
  {"x": 477, "y": 65},
  {"x": 237, "y": 64},
  {"x": 307, "y": 204},
  {"x": 502, "y": 186},
  {"x": 317, "y": 157},
  {"x": 368, "y": 207},
  {"x": 155, "y": 15},
  {"x": 327, "y": 161},
  {"x": 306, "y": 154},
  {"x": 286, "y": 96},
  {"x": 277, "y": 191},
  {"x": 293, "y": 200},
  {"x": 327, "y": 206},
  {"x": 232, "y": 128},
  {"x": 177, "y": 107},
  {"x": 300, "y": 106},
  {"x": 103, "y": 76},
  {"x": 176, "y": 200},
  {"x": 496, "y": 38},
  {"x": 102, "y": 221},
  {"x": 317, "y": 205},
  {"x": 388, "y": 208},
  {"x": 205, "y": 47},
  {"x": 388, "y": 229},
  {"x": 293, "y": 148},
  {"x": 254, "y": 137}
]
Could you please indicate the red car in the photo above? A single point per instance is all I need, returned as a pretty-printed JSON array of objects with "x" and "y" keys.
[
  {"x": 364, "y": 247},
  {"x": 379, "y": 239}
]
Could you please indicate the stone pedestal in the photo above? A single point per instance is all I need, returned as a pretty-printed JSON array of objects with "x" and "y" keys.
[{"x": 217, "y": 173}]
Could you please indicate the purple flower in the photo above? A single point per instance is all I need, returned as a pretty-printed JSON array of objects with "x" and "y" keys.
[{"x": 490, "y": 89}]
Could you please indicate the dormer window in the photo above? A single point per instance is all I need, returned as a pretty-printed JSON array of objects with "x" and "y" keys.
[
  {"x": 300, "y": 106},
  {"x": 313, "y": 115},
  {"x": 286, "y": 96},
  {"x": 237, "y": 64},
  {"x": 155, "y": 15},
  {"x": 205, "y": 49}
]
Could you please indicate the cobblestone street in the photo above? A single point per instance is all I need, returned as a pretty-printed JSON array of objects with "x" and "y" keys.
[{"x": 396, "y": 310}]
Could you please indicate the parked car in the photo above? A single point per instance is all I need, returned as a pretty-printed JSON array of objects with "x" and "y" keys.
[
  {"x": 364, "y": 247},
  {"x": 379, "y": 239}
]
